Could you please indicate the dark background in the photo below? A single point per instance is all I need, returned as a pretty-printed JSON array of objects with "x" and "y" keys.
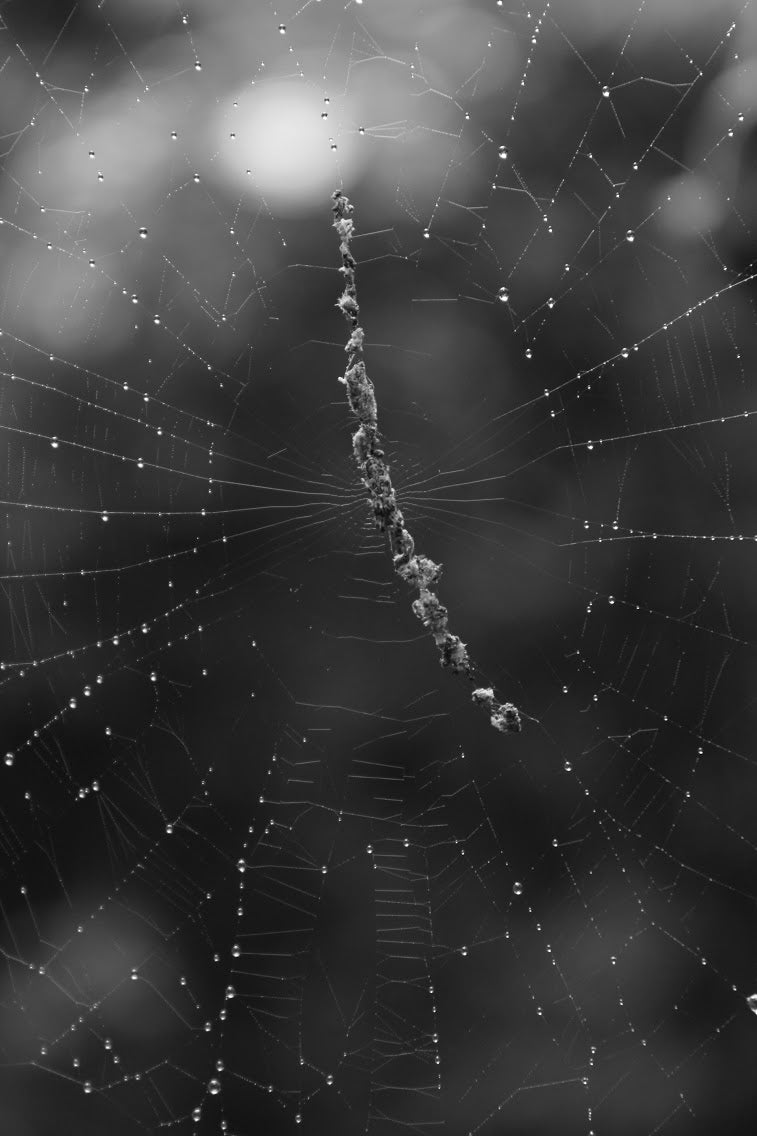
[{"x": 253, "y": 699}]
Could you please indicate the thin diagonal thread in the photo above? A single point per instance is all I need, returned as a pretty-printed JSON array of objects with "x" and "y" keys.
[{"x": 416, "y": 570}]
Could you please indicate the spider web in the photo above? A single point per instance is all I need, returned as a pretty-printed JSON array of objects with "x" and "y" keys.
[{"x": 265, "y": 867}]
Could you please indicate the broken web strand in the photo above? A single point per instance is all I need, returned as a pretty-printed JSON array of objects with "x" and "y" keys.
[{"x": 416, "y": 570}]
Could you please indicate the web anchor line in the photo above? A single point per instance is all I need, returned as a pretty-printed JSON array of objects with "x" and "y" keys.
[{"x": 416, "y": 570}]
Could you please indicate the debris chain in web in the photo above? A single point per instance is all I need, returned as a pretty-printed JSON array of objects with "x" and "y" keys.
[{"x": 416, "y": 570}]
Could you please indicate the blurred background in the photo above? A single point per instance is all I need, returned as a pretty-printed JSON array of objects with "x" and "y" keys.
[{"x": 264, "y": 866}]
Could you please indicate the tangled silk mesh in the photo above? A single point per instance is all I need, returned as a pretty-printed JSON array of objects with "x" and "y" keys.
[{"x": 265, "y": 866}]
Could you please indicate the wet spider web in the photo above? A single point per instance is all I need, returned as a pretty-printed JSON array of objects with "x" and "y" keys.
[{"x": 264, "y": 865}]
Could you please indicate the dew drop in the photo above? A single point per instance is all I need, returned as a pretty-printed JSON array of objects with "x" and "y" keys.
[
  {"x": 214, "y": 1087},
  {"x": 517, "y": 888}
]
